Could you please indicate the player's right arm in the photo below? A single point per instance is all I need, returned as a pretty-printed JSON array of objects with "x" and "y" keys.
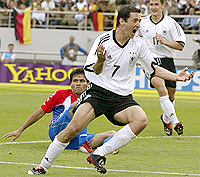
[
  {"x": 97, "y": 55},
  {"x": 101, "y": 54},
  {"x": 39, "y": 113}
]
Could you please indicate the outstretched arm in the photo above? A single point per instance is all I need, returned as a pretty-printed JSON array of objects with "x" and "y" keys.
[
  {"x": 39, "y": 113},
  {"x": 165, "y": 74}
]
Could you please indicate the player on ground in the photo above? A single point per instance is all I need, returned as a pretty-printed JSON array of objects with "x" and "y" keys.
[
  {"x": 110, "y": 68},
  {"x": 163, "y": 35},
  {"x": 60, "y": 103}
]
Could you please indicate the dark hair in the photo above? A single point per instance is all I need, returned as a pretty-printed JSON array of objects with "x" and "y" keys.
[
  {"x": 76, "y": 72},
  {"x": 162, "y": 1},
  {"x": 10, "y": 44},
  {"x": 125, "y": 11}
]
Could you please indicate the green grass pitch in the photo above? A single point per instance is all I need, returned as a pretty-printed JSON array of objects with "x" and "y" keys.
[{"x": 151, "y": 154}]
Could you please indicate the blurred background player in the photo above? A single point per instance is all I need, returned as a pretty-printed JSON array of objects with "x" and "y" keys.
[
  {"x": 69, "y": 52},
  {"x": 163, "y": 35},
  {"x": 9, "y": 56}
]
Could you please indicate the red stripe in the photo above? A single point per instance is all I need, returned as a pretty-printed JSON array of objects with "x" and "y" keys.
[
  {"x": 20, "y": 27},
  {"x": 54, "y": 121},
  {"x": 95, "y": 21}
]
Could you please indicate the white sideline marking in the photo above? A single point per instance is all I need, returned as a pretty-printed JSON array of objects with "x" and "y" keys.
[
  {"x": 166, "y": 137},
  {"x": 145, "y": 137},
  {"x": 25, "y": 142},
  {"x": 114, "y": 170}
]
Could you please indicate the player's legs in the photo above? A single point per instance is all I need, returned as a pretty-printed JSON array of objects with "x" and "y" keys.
[
  {"x": 178, "y": 126},
  {"x": 136, "y": 121},
  {"x": 159, "y": 84},
  {"x": 99, "y": 138},
  {"x": 171, "y": 93},
  {"x": 82, "y": 117},
  {"x": 166, "y": 105}
]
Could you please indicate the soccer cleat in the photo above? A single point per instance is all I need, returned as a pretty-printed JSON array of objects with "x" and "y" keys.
[
  {"x": 85, "y": 147},
  {"x": 98, "y": 161},
  {"x": 179, "y": 128},
  {"x": 167, "y": 127},
  {"x": 37, "y": 171}
]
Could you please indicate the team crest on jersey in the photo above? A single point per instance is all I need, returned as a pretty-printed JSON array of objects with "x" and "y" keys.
[
  {"x": 109, "y": 57},
  {"x": 132, "y": 58},
  {"x": 164, "y": 31}
]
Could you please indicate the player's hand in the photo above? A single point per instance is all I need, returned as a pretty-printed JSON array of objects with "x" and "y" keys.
[
  {"x": 159, "y": 38},
  {"x": 16, "y": 134},
  {"x": 185, "y": 75},
  {"x": 101, "y": 53}
]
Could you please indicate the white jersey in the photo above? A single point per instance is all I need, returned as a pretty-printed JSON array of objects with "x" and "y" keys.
[
  {"x": 119, "y": 67},
  {"x": 168, "y": 28}
]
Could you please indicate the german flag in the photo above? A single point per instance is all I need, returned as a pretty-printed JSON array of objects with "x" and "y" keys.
[
  {"x": 22, "y": 25},
  {"x": 115, "y": 20},
  {"x": 97, "y": 18}
]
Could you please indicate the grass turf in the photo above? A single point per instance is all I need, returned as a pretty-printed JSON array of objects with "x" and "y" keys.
[{"x": 151, "y": 154}]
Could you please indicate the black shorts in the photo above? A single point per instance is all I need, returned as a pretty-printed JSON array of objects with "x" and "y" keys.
[
  {"x": 106, "y": 102},
  {"x": 167, "y": 63}
]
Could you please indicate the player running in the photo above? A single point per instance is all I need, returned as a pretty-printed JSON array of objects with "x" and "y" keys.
[{"x": 163, "y": 36}]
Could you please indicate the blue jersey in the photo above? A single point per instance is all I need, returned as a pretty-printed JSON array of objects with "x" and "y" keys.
[{"x": 60, "y": 124}]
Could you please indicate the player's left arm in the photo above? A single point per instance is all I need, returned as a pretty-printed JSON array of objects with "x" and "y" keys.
[
  {"x": 177, "y": 45},
  {"x": 178, "y": 36},
  {"x": 165, "y": 74},
  {"x": 152, "y": 69}
]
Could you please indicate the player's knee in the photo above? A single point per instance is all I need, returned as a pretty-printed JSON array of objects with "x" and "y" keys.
[
  {"x": 143, "y": 121},
  {"x": 70, "y": 132}
]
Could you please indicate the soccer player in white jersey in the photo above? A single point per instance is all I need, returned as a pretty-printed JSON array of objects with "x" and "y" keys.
[
  {"x": 163, "y": 36},
  {"x": 110, "y": 68}
]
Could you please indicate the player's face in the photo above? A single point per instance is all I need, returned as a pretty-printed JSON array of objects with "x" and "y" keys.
[
  {"x": 79, "y": 84},
  {"x": 132, "y": 24},
  {"x": 156, "y": 7}
]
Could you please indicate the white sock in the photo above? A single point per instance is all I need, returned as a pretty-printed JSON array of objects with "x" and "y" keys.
[
  {"x": 168, "y": 108},
  {"x": 173, "y": 102},
  {"x": 120, "y": 139},
  {"x": 54, "y": 150},
  {"x": 165, "y": 119}
]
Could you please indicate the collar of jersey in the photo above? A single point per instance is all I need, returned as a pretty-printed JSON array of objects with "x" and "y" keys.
[
  {"x": 114, "y": 38},
  {"x": 158, "y": 21}
]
